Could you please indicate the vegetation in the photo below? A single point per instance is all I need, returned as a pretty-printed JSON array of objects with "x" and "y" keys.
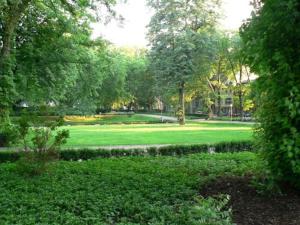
[
  {"x": 160, "y": 190},
  {"x": 272, "y": 48}
]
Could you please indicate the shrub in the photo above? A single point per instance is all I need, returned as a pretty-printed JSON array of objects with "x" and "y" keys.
[
  {"x": 43, "y": 146},
  {"x": 8, "y": 134},
  {"x": 33, "y": 163},
  {"x": 272, "y": 49}
]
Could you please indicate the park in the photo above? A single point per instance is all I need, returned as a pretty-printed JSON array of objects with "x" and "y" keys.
[{"x": 149, "y": 112}]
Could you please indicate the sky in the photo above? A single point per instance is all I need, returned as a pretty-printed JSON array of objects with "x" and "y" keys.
[{"x": 132, "y": 32}]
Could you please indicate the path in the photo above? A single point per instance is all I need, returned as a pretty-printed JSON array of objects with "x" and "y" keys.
[
  {"x": 174, "y": 119},
  {"x": 164, "y": 118},
  {"x": 107, "y": 147}
]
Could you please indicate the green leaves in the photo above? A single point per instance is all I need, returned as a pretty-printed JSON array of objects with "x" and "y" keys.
[
  {"x": 150, "y": 190},
  {"x": 272, "y": 47}
]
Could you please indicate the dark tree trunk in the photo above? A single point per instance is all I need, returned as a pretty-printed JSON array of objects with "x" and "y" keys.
[
  {"x": 15, "y": 12},
  {"x": 241, "y": 107},
  {"x": 181, "y": 108},
  {"x": 241, "y": 111},
  {"x": 219, "y": 88},
  {"x": 219, "y": 103},
  {"x": 10, "y": 24}
]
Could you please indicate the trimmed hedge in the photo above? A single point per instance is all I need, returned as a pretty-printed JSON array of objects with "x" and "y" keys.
[{"x": 172, "y": 150}]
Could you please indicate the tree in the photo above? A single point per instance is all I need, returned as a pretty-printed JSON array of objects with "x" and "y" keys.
[
  {"x": 173, "y": 34},
  {"x": 271, "y": 40},
  {"x": 112, "y": 91},
  {"x": 15, "y": 14},
  {"x": 240, "y": 73},
  {"x": 140, "y": 82}
]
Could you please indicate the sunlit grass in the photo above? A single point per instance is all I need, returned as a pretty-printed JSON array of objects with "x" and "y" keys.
[{"x": 143, "y": 134}]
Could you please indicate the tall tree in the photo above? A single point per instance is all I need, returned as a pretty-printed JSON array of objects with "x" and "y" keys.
[{"x": 173, "y": 34}]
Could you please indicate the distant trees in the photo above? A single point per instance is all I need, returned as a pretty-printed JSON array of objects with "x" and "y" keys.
[
  {"x": 272, "y": 50},
  {"x": 48, "y": 57}
]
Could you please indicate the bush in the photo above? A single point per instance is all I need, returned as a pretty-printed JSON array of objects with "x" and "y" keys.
[
  {"x": 32, "y": 163},
  {"x": 43, "y": 146},
  {"x": 8, "y": 135},
  {"x": 272, "y": 49}
]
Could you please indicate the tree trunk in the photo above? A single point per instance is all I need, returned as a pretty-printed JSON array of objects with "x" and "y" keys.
[
  {"x": 219, "y": 87},
  {"x": 241, "y": 93},
  {"x": 15, "y": 11},
  {"x": 181, "y": 108},
  {"x": 219, "y": 103},
  {"x": 241, "y": 105}
]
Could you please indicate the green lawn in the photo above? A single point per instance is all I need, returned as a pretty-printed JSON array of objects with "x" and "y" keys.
[
  {"x": 119, "y": 191},
  {"x": 142, "y": 134}
]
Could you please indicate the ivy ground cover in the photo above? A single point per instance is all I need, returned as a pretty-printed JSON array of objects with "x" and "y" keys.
[{"x": 123, "y": 191}]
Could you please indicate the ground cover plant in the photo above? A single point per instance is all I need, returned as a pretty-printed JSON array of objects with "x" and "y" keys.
[
  {"x": 192, "y": 133},
  {"x": 140, "y": 190}
]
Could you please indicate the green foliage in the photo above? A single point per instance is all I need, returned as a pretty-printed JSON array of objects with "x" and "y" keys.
[
  {"x": 136, "y": 191},
  {"x": 8, "y": 135},
  {"x": 177, "y": 44},
  {"x": 29, "y": 31},
  {"x": 140, "y": 82},
  {"x": 8, "y": 132},
  {"x": 211, "y": 211},
  {"x": 172, "y": 150},
  {"x": 42, "y": 147},
  {"x": 266, "y": 184},
  {"x": 272, "y": 44}
]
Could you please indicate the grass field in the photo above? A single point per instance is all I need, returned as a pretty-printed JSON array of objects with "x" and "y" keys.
[
  {"x": 120, "y": 191},
  {"x": 143, "y": 134}
]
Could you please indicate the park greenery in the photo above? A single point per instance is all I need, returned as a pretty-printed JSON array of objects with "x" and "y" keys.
[{"x": 93, "y": 133}]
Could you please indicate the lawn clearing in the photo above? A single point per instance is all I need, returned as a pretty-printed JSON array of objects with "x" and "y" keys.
[
  {"x": 192, "y": 133},
  {"x": 120, "y": 191}
]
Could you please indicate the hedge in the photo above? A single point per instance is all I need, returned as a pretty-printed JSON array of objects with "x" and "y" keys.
[{"x": 172, "y": 150}]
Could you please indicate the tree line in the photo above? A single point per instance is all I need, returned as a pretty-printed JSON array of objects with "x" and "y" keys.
[{"x": 48, "y": 58}]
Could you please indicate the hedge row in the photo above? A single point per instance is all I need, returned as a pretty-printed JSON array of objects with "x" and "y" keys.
[{"x": 176, "y": 150}]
